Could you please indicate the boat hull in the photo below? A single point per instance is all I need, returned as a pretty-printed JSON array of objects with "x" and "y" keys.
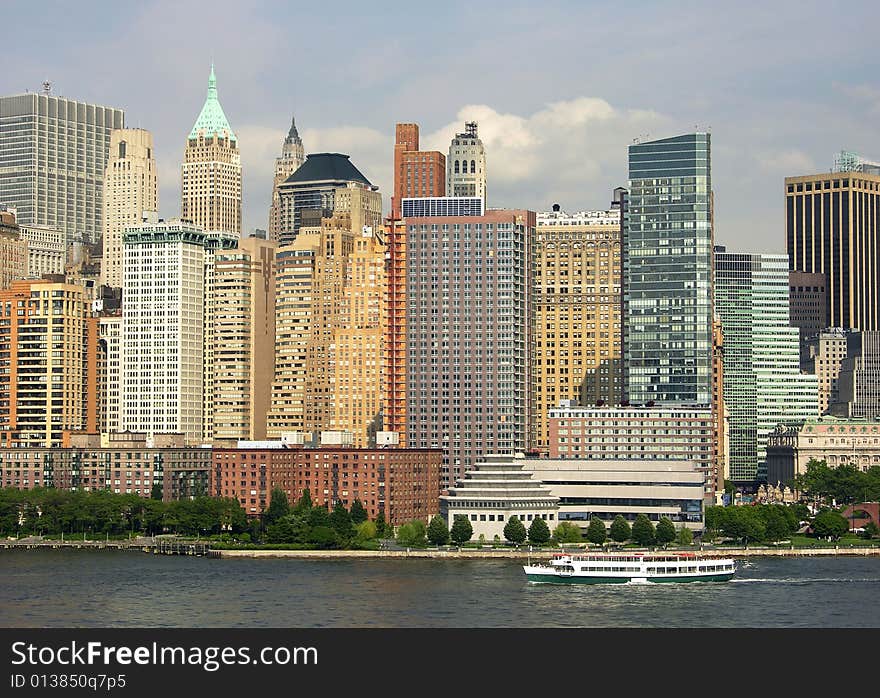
[{"x": 584, "y": 579}]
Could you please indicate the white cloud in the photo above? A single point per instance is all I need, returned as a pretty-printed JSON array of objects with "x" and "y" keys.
[{"x": 786, "y": 162}]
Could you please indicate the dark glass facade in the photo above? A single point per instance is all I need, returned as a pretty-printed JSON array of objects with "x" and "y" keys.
[
  {"x": 667, "y": 272},
  {"x": 831, "y": 229}
]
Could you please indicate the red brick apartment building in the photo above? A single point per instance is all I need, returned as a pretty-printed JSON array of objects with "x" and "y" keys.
[{"x": 403, "y": 484}]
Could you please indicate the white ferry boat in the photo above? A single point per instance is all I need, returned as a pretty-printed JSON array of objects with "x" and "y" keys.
[{"x": 620, "y": 568}]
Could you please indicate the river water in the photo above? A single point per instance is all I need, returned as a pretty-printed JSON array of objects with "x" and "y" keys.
[{"x": 105, "y": 589}]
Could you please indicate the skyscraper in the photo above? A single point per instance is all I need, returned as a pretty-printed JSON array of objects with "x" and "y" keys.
[
  {"x": 330, "y": 362},
  {"x": 131, "y": 189},
  {"x": 831, "y": 225},
  {"x": 292, "y": 158},
  {"x": 244, "y": 328},
  {"x": 53, "y": 155},
  {"x": 47, "y": 392},
  {"x": 466, "y": 164},
  {"x": 311, "y": 192},
  {"x": 576, "y": 276},
  {"x": 667, "y": 272},
  {"x": 211, "y": 170},
  {"x": 417, "y": 173},
  {"x": 468, "y": 335},
  {"x": 763, "y": 385},
  {"x": 163, "y": 324}
]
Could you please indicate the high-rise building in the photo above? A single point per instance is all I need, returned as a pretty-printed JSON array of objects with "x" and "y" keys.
[
  {"x": 417, "y": 173},
  {"x": 720, "y": 470},
  {"x": 831, "y": 226},
  {"x": 394, "y": 417},
  {"x": 244, "y": 331},
  {"x": 858, "y": 384},
  {"x": 763, "y": 384},
  {"x": 53, "y": 155},
  {"x": 291, "y": 159},
  {"x": 13, "y": 250},
  {"x": 45, "y": 393},
  {"x": 211, "y": 170},
  {"x": 330, "y": 353},
  {"x": 667, "y": 271},
  {"x": 131, "y": 192},
  {"x": 468, "y": 335},
  {"x": 576, "y": 302},
  {"x": 163, "y": 324},
  {"x": 311, "y": 191},
  {"x": 466, "y": 164},
  {"x": 110, "y": 334},
  {"x": 823, "y": 355},
  {"x": 807, "y": 303}
]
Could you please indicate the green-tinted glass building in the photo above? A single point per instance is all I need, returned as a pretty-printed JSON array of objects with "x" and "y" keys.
[
  {"x": 763, "y": 385},
  {"x": 667, "y": 272}
]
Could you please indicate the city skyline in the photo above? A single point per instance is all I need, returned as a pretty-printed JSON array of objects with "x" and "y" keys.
[{"x": 555, "y": 122}]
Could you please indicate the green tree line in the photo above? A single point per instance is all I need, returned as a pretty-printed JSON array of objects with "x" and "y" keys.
[
  {"x": 48, "y": 511},
  {"x": 845, "y": 484}
]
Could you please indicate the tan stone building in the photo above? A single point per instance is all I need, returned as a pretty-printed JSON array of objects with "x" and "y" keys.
[
  {"x": 329, "y": 370},
  {"x": 13, "y": 250},
  {"x": 131, "y": 188},
  {"x": 47, "y": 251},
  {"x": 50, "y": 352},
  {"x": 836, "y": 441},
  {"x": 244, "y": 330},
  {"x": 823, "y": 355},
  {"x": 211, "y": 170},
  {"x": 292, "y": 158},
  {"x": 576, "y": 272}
]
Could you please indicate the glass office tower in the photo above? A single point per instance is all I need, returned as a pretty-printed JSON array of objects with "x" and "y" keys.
[
  {"x": 667, "y": 272},
  {"x": 53, "y": 154},
  {"x": 763, "y": 384}
]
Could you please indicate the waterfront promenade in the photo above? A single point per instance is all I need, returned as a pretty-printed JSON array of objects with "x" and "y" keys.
[{"x": 180, "y": 547}]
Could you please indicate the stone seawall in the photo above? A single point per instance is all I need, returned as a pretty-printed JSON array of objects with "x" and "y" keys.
[{"x": 524, "y": 555}]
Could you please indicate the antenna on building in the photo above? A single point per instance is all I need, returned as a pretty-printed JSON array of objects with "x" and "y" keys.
[{"x": 47, "y": 87}]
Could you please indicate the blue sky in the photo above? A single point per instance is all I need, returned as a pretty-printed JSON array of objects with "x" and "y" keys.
[{"x": 559, "y": 88}]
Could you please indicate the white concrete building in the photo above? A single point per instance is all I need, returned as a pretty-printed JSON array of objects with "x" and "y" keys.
[
  {"x": 606, "y": 488},
  {"x": 466, "y": 164},
  {"x": 496, "y": 489},
  {"x": 163, "y": 329}
]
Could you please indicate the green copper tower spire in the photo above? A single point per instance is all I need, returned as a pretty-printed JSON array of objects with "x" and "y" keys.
[{"x": 212, "y": 119}]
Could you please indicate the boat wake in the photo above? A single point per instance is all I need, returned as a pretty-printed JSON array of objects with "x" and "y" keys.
[{"x": 805, "y": 580}]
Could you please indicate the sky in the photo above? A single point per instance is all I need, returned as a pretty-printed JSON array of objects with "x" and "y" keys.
[{"x": 559, "y": 89}]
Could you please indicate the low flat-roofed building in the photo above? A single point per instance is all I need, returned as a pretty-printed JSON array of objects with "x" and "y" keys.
[{"x": 606, "y": 488}]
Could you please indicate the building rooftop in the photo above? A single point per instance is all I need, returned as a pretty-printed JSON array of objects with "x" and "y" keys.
[
  {"x": 212, "y": 119},
  {"x": 323, "y": 167}
]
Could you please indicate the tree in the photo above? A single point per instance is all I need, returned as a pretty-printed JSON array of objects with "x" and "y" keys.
[
  {"x": 305, "y": 502},
  {"x": 596, "y": 532},
  {"x": 643, "y": 530},
  {"x": 539, "y": 532},
  {"x": 665, "y": 533},
  {"x": 156, "y": 492},
  {"x": 318, "y": 516},
  {"x": 620, "y": 530},
  {"x": 340, "y": 521},
  {"x": 438, "y": 532},
  {"x": 567, "y": 532},
  {"x": 776, "y": 524},
  {"x": 830, "y": 524},
  {"x": 412, "y": 534},
  {"x": 278, "y": 506},
  {"x": 871, "y": 530},
  {"x": 365, "y": 530},
  {"x": 462, "y": 531},
  {"x": 514, "y": 530},
  {"x": 685, "y": 536},
  {"x": 358, "y": 513}
]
